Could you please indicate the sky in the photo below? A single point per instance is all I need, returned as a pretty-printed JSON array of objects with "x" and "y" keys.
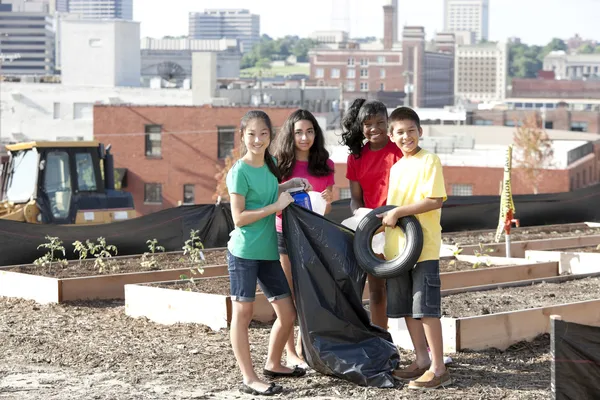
[{"x": 534, "y": 21}]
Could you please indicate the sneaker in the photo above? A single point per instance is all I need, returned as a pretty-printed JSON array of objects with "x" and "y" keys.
[
  {"x": 430, "y": 381},
  {"x": 408, "y": 373}
]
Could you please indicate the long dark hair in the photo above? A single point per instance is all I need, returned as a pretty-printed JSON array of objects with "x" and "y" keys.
[
  {"x": 352, "y": 124},
  {"x": 258, "y": 114},
  {"x": 285, "y": 149}
]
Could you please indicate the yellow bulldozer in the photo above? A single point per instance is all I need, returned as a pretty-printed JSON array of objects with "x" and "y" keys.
[{"x": 61, "y": 183}]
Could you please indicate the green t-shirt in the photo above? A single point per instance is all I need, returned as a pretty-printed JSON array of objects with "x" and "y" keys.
[{"x": 256, "y": 241}]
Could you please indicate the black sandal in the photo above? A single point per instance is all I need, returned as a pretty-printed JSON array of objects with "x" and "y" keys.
[
  {"x": 271, "y": 390},
  {"x": 296, "y": 373}
]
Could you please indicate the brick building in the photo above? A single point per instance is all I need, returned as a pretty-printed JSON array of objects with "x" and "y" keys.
[
  {"x": 551, "y": 89},
  {"x": 560, "y": 118},
  {"x": 171, "y": 153}
]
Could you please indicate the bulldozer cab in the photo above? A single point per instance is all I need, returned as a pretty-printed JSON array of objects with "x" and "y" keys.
[{"x": 62, "y": 183}]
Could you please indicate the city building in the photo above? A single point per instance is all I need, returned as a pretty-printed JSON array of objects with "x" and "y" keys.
[
  {"x": 26, "y": 39},
  {"x": 394, "y": 72},
  {"x": 61, "y": 6},
  {"x": 333, "y": 37},
  {"x": 467, "y": 15},
  {"x": 573, "y": 66},
  {"x": 230, "y": 24},
  {"x": 481, "y": 72},
  {"x": 555, "y": 89},
  {"x": 172, "y": 154},
  {"x": 99, "y": 9},
  {"x": 100, "y": 53},
  {"x": 170, "y": 60}
]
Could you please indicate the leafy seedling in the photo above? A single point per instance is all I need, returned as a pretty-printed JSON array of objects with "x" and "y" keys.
[{"x": 54, "y": 245}]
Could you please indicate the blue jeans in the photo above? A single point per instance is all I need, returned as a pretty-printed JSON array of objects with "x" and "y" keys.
[
  {"x": 244, "y": 273},
  {"x": 417, "y": 293}
]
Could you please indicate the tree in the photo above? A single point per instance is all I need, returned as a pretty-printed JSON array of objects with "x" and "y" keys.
[
  {"x": 597, "y": 49},
  {"x": 221, "y": 176},
  {"x": 534, "y": 151},
  {"x": 585, "y": 49},
  {"x": 263, "y": 63}
]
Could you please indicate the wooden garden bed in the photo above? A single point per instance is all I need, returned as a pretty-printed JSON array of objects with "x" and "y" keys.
[
  {"x": 581, "y": 260},
  {"x": 82, "y": 282}
]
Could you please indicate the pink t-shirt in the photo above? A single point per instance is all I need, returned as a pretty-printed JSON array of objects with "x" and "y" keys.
[{"x": 319, "y": 183}]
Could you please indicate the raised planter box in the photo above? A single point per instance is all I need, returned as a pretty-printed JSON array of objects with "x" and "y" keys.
[
  {"x": 172, "y": 306},
  {"x": 568, "y": 262},
  {"x": 44, "y": 289},
  {"x": 518, "y": 249},
  {"x": 503, "y": 329}
]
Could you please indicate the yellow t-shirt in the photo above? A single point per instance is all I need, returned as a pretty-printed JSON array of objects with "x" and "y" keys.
[{"x": 413, "y": 179}]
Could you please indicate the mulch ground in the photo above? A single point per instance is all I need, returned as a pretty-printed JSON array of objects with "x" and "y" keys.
[
  {"x": 521, "y": 234},
  {"x": 93, "y": 350}
]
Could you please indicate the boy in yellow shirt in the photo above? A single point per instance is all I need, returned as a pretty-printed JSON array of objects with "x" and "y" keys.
[{"x": 416, "y": 187}]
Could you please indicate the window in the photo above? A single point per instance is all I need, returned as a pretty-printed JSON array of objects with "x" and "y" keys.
[
  {"x": 381, "y": 59},
  {"x": 549, "y": 125},
  {"x": 86, "y": 178},
  {"x": 462, "y": 190},
  {"x": 351, "y": 61},
  {"x": 153, "y": 193},
  {"x": 57, "y": 183},
  {"x": 579, "y": 126},
  {"x": 153, "y": 140},
  {"x": 345, "y": 193},
  {"x": 226, "y": 141},
  {"x": 364, "y": 61},
  {"x": 382, "y": 73},
  {"x": 335, "y": 73},
  {"x": 188, "y": 194},
  {"x": 364, "y": 86},
  {"x": 381, "y": 87},
  {"x": 350, "y": 87},
  {"x": 319, "y": 73},
  {"x": 364, "y": 73},
  {"x": 351, "y": 73},
  {"x": 56, "y": 110},
  {"x": 83, "y": 111},
  {"x": 483, "y": 122}
]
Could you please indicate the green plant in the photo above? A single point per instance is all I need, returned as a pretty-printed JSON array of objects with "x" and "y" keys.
[
  {"x": 54, "y": 245},
  {"x": 457, "y": 250},
  {"x": 193, "y": 250},
  {"x": 148, "y": 259},
  {"x": 482, "y": 256},
  {"x": 102, "y": 252},
  {"x": 82, "y": 249}
]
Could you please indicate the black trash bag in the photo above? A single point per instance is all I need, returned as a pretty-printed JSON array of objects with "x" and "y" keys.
[
  {"x": 337, "y": 335},
  {"x": 575, "y": 360}
]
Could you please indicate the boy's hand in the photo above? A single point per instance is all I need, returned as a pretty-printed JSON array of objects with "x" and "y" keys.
[{"x": 388, "y": 219}]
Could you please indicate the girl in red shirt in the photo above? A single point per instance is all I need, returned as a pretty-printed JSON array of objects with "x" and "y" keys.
[{"x": 371, "y": 157}]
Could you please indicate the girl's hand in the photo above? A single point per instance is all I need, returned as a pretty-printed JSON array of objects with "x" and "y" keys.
[
  {"x": 327, "y": 196},
  {"x": 285, "y": 199},
  {"x": 303, "y": 183}
]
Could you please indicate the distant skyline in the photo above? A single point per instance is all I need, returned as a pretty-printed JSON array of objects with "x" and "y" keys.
[{"x": 534, "y": 21}]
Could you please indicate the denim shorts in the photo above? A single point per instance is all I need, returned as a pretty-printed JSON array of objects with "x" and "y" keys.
[
  {"x": 244, "y": 273},
  {"x": 417, "y": 293},
  {"x": 281, "y": 246}
]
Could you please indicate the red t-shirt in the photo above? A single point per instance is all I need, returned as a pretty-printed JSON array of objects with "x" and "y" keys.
[{"x": 372, "y": 172}]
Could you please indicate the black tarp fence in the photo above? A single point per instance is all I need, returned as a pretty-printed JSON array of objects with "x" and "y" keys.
[
  {"x": 575, "y": 352},
  {"x": 171, "y": 227}
]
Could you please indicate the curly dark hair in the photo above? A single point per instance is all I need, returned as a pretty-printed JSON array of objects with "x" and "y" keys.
[
  {"x": 258, "y": 114},
  {"x": 285, "y": 147},
  {"x": 352, "y": 124}
]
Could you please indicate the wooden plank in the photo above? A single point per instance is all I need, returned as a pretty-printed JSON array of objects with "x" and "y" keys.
[
  {"x": 518, "y": 248},
  {"x": 492, "y": 275},
  {"x": 504, "y": 329},
  {"x": 569, "y": 262},
  {"x": 42, "y": 289},
  {"x": 170, "y": 306}
]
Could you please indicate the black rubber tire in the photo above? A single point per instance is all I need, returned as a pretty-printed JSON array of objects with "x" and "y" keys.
[{"x": 377, "y": 267}]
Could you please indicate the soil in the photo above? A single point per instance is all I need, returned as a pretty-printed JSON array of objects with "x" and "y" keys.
[
  {"x": 122, "y": 265},
  {"x": 520, "y": 234},
  {"x": 456, "y": 265},
  {"x": 520, "y": 298},
  {"x": 211, "y": 286},
  {"x": 92, "y": 350}
]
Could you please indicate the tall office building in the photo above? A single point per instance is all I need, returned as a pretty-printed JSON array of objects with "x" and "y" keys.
[
  {"x": 62, "y": 6},
  {"x": 467, "y": 15},
  {"x": 27, "y": 38},
  {"x": 230, "y": 24},
  {"x": 100, "y": 9},
  {"x": 480, "y": 72}
]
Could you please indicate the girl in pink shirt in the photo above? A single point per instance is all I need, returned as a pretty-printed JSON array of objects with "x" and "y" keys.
[{"x": 300, "y": 153}]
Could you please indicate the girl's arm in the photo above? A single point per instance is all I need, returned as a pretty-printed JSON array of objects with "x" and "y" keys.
[
  {"x": 295, "y": 182},
  {"x": 327, "y": 195},
  {"x": 356, "y": 196},
  {"x": 243, "y": 217}
]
